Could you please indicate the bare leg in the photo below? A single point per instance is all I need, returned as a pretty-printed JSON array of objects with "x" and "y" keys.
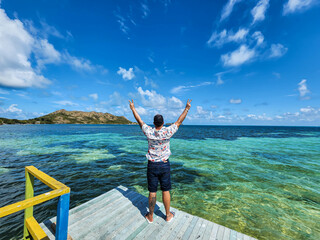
[
  {"x": 152, "y": 204},
  {"x": 166, "y": 202}
]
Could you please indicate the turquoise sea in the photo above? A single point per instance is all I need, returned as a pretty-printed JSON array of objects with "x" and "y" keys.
[{"x": 262, "y": 181}]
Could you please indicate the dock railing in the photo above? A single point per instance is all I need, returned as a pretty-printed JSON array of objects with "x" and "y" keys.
[{"x": 32, "y": 229}]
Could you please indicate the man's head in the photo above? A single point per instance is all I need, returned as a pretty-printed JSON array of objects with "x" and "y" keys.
[{"x": 158, "y": 120}]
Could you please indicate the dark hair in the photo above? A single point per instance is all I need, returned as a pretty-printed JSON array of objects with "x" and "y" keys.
[{"x": 158, "y": 120}]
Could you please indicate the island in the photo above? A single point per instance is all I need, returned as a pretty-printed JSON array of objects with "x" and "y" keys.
[{"x": 71, "y": 117}]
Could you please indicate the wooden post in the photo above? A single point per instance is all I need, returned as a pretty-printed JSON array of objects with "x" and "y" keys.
[
  {"x": 28, "y": 212},
  {"x": 62, "y": 217}
]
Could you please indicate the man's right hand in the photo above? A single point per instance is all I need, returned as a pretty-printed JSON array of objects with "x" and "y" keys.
[
  {"x": 131, "y": 104},
  {"x": 188, "y": 106}
]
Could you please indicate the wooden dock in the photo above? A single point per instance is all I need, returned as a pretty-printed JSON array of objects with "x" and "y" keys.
[{"x": 119, "y": 214}]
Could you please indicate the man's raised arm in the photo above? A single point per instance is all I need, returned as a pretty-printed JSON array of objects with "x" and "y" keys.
[
  {"x": 135, "y": 114},
  {"x": 184, "y": 113}
]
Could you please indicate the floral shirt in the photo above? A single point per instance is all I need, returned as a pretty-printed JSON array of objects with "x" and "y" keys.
[{"x": 159, "y": 142}]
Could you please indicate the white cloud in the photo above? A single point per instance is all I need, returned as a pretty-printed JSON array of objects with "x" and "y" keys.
[
  {"x": 3, "y": 91},
  {"x": 145, "y": 10},
  {"x": 174, "y": 102},
  {"x": 126, "y": 74},
  {"x": 94, "y": 96},
  {"x": 122, "y": 22},
  {"x": 296, "y": 5},
  {"x": 235, "y": 101},
  {"x": 240, "y": 56},
  {"x": 227, "y": 9},
  {"x": 150, "y": 82},
  {"x": 141, "y": 110},
  {"x": 16, "y": 48},
  {"x": 258, "y": 12},
  {"x": 277, "y": 50},
  {"x": 303, "y": 89},
  {"x": 201, "y": 111},
  {"x": 66, "y": 103},
  {"x": 186, "y": 88},
  {"x": 307, "y": 109},
  {"x": 19, "y": 43},
  {"x": 219, "y": 80},
  {"x": 45, "y": 53},
  {"x": 78, "y": 63},
  {"x": 13, "y": 109},
  {"x": 152, "y": 98},
  {"x": 219, "y": 39},
  {"x": 258, "y": 36}
]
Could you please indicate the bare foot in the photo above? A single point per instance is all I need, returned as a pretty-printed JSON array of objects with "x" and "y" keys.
[
  {"x": 149, "y": 217},
  {"x": 169, "y": 217}
]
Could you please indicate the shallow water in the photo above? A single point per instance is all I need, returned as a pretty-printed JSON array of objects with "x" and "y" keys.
[{"x": 262, "y": 181}]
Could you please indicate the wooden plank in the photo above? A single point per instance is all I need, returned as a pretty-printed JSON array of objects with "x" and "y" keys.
[
  {"x": 45, "y": 178},
  {"x": 213, "y": 235},
  {"x": 95, "y": 215},
  {"x": 157, "y": 222},
  {"x": 92, "y": 201},
  {"x": 185, "y": 220},
  {"x": 239, "y": 236},
  {"x": 29, "y": 193},
  {"x": 206, "y": 235},
  {"x": 220, "y": 232},
  {"x": 35, "y": 230},
  {"x": 91, "y": 209},
  {"x": 196, "y": 229},
  {"x": 105, "y": 216},
  {"x": 246, "y": 237},
  {"x": 131, "y": 215},
  {"x": 204, "y": 226},
  {"x": 188, "y": 232},
  {"x": 226, "y": 235},
  {"x": 168, "y": 231},
  {"x": 185, "y": 227},
  {"x": 132, "y": 223},
  {"x": 233, "y": 235}
]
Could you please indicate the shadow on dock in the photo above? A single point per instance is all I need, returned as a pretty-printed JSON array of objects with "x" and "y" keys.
[{"x": 142, "y": 208}]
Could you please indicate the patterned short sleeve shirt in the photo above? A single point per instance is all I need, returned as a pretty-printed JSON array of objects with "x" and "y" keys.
[{"x": 159, "y": 142}]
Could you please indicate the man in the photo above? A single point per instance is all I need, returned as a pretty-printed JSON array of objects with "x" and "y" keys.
[{"x": 158, "y": 158}]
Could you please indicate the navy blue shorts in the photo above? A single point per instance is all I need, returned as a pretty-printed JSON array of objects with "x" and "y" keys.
[{"x": 159, "y": 172}]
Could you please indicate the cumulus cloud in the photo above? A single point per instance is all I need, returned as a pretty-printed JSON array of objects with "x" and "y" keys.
[
  {"x": 277, "y": 50},
  {"x": 303, "y": 89},
  {"x": 238, "y": 57},
  {"x": 126, "y": 74},
  {"x": 219, "y": 39},
  {"x": 227, "y": 9},
  {"x": 235, "y": 101},
  {"x": 258, "y": 12},
  {"x": 183, "y": 88},
  {"x": 19, "y": 43},
  {"x": 141, "y": 110},
  {"x": 296, "y": 5},
  {"x": 13, "y": 109},
  {"x": 152, "y": 98},
  {"x": 94, "y": 96},
  {"x": 45, "y": 53},
  {"x": 16, "y": 48}
]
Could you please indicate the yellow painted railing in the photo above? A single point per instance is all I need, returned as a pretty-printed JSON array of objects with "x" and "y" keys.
[{"x": 32, "y": 228}]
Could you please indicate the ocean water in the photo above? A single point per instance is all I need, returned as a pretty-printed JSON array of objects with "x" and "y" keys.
[{"x": 262, "y": 181}]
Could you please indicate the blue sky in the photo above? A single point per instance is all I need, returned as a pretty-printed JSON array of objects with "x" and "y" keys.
[{"x": 241, "y": 62}]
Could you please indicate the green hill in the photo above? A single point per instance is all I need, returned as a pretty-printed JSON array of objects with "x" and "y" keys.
[{"x": 71, "y": 117}]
